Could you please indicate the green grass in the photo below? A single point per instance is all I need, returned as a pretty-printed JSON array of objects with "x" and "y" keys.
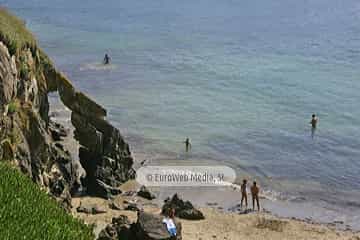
[
  {"x": 13, "y": 107},
  {"x": 26, "y": 212},
  {"x": 14, "y": 34}
]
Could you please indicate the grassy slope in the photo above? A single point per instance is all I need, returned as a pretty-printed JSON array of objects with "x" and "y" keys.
[
  {"x": 14, "y": 34},
  {"x": 26, "y": 212}
]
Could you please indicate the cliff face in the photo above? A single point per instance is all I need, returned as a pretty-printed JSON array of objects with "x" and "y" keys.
[{"x": 26, "y": 136}]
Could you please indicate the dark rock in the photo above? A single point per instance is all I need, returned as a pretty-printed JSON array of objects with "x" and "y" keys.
[
  {"x": 150, "y": 226},
  {"x": 118, "y": 229},
  {"x": 87, "y": 134},
  {"x": 104, "y": 155},
  {"x": 7, "y": 150},
  {"x": 129, "y": 193},
  {"x": 108, "y": 189},
  {"x": 114, "y": 206},
  {"x": 147, "y": 227},
  {"x": 108, "y": 233},
  {"x": 145, "y": 193},
  {"x": 182, "y": 209},
  {"x": 40, "y": 157},
  {"x": 121, "y": 220},
  {"x": 191, "y": 214},
  {"x": 8, "y": 74},
  {"x": 90, "y": 209},
  {"x": 57, "y": 186},
  {"x": 57, "y": 131},
  {"x": 132, "y": 207}
]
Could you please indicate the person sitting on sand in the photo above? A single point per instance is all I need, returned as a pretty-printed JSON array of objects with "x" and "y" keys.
[
  {"x": 244, "y": 194},
  {"x": 255, "y": 196},
  {"x": 187, "y": 145},
  {"x": 169, "y": 222},
  {"x": 106, "y": 59},
  {"x": 314, "y": 121}
]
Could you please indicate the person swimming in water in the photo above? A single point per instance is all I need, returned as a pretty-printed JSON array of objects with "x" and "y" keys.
[
  {"x": 313, "y": 122},
  {"x": 187, "y": 145},
  {"x": 107, "y": 59}
]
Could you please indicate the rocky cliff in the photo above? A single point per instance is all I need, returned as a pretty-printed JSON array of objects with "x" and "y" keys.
[{"x": 27, "y": 136}]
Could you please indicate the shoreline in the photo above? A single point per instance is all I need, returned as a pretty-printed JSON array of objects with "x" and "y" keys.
[
  {"x": 218, "y": 224},
  {"x": 228, "y": 199}
]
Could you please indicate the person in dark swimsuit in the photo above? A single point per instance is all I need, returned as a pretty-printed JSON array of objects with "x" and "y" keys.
[
  {"x": 244, "y": 194},
  {"x": 187, "y": 144},
  {"x": 106, "y": 59},
  {"x": 313, "y": 122}
]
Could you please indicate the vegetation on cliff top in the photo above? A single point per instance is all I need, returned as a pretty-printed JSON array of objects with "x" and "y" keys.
[
  {"x": 26, "y": 212},
  {"x": 17, "y": 38},
  {"x": 14, "y": 34}
]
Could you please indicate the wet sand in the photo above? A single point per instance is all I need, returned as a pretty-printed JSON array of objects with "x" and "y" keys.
[{"x": 218, "y": 224}]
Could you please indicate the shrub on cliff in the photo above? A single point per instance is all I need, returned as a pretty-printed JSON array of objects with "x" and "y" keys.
[
  {"x": 13, "y": 33},
  {"x": 26, "y": 212}
]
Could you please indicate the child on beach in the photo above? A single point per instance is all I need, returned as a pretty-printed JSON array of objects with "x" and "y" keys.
[{"x": 169, "y": 222}]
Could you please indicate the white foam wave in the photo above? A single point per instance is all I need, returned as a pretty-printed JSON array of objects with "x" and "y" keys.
[{"x": 97, "y": 67}]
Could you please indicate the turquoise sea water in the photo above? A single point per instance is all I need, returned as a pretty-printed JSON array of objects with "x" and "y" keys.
[{"x": 240, "y": 78}]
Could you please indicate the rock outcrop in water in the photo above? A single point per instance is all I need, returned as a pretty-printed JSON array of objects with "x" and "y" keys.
[{"x": 31, "y": 140}]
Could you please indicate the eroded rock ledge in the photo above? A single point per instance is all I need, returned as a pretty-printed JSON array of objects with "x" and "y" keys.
[{"x": 27, "y": 76}]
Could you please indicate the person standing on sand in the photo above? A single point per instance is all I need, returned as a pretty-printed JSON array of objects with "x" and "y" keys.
[
  {"x": 187, "y": 144},
  {"x": 255, "y": 196},
  {"x": 244, "y": 194}
]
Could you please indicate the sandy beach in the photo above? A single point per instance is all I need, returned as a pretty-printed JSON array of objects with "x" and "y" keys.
[
  {"x": 220, "y": 225},
  {"x": 223, "y": 218}
]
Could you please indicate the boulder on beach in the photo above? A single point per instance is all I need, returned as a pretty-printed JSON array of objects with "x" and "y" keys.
[
  {"x": 150, "y": 226},
  {"x": 144, "y": 192},
  {"x": 147, "y": 227},
  {"x": 120, "y": 226},
  {"x": 132, "y": 207},
  {"x": 90, "y": 209},
  {"x": 183, "y": 209}
]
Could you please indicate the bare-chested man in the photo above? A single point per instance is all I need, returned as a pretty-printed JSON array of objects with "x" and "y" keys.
[
  {"x": 244, "y": 194},
  {"x": 187, "y": 144},
  {"x": 313, "y": 122},
  {"x": 255, "y": 196}
]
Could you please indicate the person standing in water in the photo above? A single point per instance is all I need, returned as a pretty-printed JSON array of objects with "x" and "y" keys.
[
  {"x": 187, "y": 145},
  {"x": 255, "y": 196},
  {"x": 313, "y": 122},
  {"x": 244, "y": 194},
  {"x": 106, "y": 59}
]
